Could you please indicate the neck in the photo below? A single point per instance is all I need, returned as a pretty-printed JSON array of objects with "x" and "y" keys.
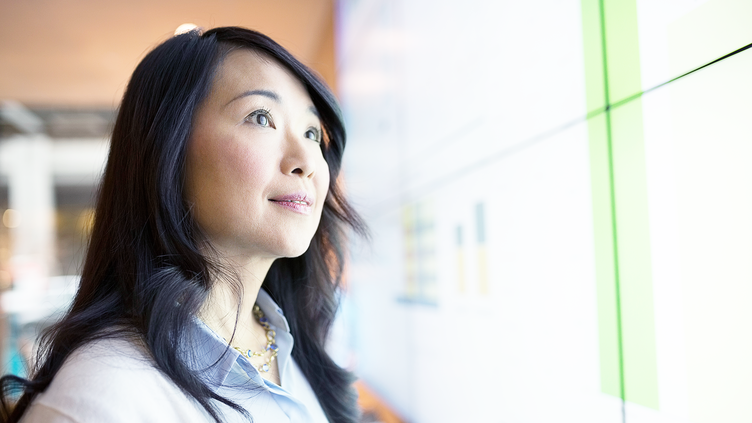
[{"x": 228, "y": 309}]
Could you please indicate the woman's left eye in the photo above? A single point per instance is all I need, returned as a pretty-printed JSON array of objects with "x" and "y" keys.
[{"x": 313, "y": 134}]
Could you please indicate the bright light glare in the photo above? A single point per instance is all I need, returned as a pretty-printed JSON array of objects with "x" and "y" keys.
[{"x": 186, "y": 27}]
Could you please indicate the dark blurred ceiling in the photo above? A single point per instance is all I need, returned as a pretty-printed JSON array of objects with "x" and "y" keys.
[{"x": 57, "y": 54}]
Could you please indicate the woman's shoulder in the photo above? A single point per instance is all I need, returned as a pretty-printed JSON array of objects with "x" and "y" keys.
[{"x": 113, "y": 380}]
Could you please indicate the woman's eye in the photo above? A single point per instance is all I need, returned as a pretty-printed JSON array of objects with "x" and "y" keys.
[
  {"x": 313, "y": 134},
  {"x": 261, "y": 118}
]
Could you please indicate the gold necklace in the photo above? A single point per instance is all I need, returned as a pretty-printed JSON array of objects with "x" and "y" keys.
[{"x": 271, "y": 345}]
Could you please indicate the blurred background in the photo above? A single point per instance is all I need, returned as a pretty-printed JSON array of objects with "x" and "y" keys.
[{"x": 559, "y": 192}]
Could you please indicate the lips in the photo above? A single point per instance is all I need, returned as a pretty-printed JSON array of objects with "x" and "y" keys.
[{"x": 297, "y": 202}]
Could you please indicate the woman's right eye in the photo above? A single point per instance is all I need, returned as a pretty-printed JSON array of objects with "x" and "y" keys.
[{"x": 260, "y": 117}]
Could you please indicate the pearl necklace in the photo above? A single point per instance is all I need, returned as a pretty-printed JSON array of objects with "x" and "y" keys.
[{"x": 271, "y": 345}]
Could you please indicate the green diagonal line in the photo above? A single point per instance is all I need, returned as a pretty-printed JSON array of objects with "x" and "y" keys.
[{"x": 641, "y": 93}]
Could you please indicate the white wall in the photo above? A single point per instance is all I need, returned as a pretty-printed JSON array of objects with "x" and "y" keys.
[{"x": 454, "y": 105}]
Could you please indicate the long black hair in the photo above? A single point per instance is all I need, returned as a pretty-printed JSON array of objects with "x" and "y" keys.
[{"x": 144, "y": 270}]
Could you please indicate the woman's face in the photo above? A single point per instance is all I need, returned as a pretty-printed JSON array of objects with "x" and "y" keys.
[{"x": 256, "y": 177}]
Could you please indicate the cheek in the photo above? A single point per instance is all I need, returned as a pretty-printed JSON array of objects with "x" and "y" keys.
[
  {"x": 245, "y": 168},
  {"x": 224, "y": 177}
]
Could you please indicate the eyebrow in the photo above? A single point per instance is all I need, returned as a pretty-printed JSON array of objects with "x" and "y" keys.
[
  {"x": 269, "y": 94},
  {"x": 265, "y": 93}
]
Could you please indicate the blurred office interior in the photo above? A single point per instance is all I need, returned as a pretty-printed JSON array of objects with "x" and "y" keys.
[{"x": 558, "y": 193}]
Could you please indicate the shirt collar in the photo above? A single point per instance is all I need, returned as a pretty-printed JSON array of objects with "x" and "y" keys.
[
  {"x": 272, "y": 311},
  {"x": 209, "y": 355}
]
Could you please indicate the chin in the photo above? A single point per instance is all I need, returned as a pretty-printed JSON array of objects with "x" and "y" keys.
[
  {"x": 299, "y": 252},
  {"x": 292, "y": 251}
]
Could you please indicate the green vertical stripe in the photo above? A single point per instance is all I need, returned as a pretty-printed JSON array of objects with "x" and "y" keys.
[
  {"x": 635, "y": 269},
  {"x": 601, "y": 185},
  {"x": 623, "y": 47},
  {"x": 593, "y": 54},
  {"x": 612, "y": 203},
  {"x": 608, "y": 314},
  {"x": 620, "y": 212}
]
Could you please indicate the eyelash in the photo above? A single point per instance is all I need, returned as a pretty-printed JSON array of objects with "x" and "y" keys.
[
  {"x": 318, "y": 136},
  {"x": 261, "y": 112}
]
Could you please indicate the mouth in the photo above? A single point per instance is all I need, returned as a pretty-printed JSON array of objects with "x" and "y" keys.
[{"x": 298, "y": 202}]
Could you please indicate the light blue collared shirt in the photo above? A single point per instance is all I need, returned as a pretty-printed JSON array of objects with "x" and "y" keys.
[{"x": 232, "y": 376}]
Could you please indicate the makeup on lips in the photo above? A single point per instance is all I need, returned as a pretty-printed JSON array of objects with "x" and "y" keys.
[{"x": 298, "y": 202}]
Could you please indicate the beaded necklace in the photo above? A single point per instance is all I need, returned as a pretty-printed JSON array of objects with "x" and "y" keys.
[{"x": 271, "y": 345}]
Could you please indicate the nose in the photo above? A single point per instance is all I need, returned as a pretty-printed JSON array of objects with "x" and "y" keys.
[{"x": 299, "y": 156}]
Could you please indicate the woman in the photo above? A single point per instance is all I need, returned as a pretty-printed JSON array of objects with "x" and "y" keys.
[{"x": 218, "y": 240}]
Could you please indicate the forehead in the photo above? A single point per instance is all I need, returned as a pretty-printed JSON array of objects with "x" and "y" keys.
[{"x": 245, "y": 69}]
